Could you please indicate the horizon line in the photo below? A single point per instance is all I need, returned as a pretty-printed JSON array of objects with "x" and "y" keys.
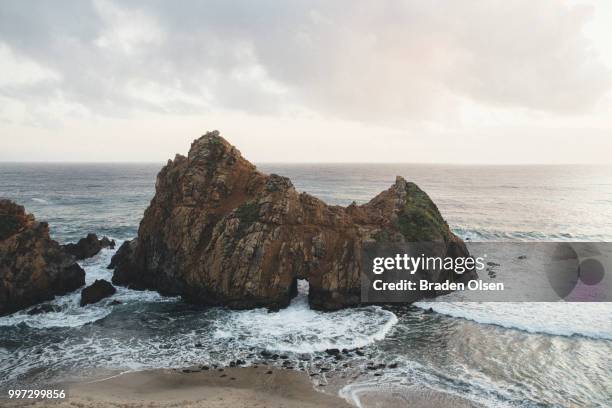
[{"x": 162, "y": 162}]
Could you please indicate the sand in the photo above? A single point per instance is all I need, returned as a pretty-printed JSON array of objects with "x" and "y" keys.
[{"x": 232, "y": 388}]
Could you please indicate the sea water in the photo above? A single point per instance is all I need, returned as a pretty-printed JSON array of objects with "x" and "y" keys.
[{"x": 497, "y": 354}]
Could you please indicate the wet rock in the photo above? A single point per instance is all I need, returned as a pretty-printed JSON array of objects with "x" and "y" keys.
[
  {"x": 359, "y": 353},
  {"x": 492, "y": 264},
  {"x": 522, "y": 257},
  {"x": 332, "y": 351},
  {"x": 115, "y": 302},
  {"x": 33, "y": 267},
  {"x": 216, "y": 219},
  {"x": 88, "y": 246},
  {"x": 392, "y": 365},
  {"x": 97, "y": 291},
  {"x": 44, "y": 308}
]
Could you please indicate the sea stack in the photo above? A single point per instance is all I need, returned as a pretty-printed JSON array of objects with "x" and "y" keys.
[
  {"x": 33, "y": 267},
  {"x": 219, "y": 232}
]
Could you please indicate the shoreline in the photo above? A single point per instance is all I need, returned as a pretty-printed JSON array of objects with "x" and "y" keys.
[{"x": 239, "y": 387}]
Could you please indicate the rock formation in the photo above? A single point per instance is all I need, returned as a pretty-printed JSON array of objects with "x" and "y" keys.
[
  {"x": 97, "y": 291},
  {"x": 33, "y": 267},
  {"x": 219, "y": 232},
  {"x": 88, "y": 246}
]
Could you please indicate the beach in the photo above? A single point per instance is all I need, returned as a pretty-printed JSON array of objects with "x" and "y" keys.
[
  {"x": 258, "y": 386},
  {"x": 232, "y": 387}
]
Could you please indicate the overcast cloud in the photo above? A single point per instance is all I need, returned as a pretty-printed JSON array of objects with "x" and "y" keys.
[{"x": 411, "y": 67}]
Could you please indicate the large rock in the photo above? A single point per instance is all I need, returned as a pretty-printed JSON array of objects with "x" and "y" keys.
[
  {"x": 33, "y": 267},
  {"x": 219, "y": 232},
  {"x": 88, "y": 246},
  {"x": 97, "y": 291}
]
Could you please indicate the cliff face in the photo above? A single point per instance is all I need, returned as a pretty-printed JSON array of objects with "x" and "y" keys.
[
  {"x": 33, "y": 267},
  {"x": 219, "y": 232}
]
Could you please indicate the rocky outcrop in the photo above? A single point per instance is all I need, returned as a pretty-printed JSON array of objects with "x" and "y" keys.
[
  {"x": 97, "y": 291},
  {"x": 219, "y": 232},
  {"x": 88, "y": 246},
  {"x": 33, "y": 267}
]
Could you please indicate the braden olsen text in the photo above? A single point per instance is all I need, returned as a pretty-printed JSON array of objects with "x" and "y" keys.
[{"x": 423, "y": 284}]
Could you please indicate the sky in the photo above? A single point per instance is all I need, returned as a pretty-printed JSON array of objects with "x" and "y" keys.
[{"x": 431, "y": 81}]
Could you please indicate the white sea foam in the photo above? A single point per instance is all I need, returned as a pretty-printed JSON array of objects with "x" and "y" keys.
[
  {"x": 40, "y": 200},
  {"x": 592, "y": 320},
  {"x": 70, "y": 313},
  {"x": 300, "y": 329}
]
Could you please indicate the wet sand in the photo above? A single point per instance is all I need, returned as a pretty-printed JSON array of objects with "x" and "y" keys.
[{"x": 231, "y": 388}]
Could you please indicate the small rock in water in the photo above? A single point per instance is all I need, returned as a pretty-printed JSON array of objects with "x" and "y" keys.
[
  {"x": 88, "y": 246},
  {"x": 97, "y": 291},
  {"x": 492, "y": 264},
  {"x": 522, "y": 257},
  {"x": 332, "y": 351},
  {"x": 44, "y": 308}
]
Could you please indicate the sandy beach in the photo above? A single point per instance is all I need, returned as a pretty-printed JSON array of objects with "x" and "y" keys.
[
  {"x": 231, "y": 388},
  {"x": 261, "y": 386}
]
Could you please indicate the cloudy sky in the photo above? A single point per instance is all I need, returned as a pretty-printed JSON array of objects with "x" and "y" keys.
[{"x": 308, "y": 81}]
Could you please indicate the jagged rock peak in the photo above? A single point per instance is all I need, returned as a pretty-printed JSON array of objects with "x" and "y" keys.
[{"x": 219, "y": 232}]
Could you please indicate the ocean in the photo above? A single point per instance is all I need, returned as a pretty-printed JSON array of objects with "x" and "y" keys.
[{"x": 496, "y": 354}]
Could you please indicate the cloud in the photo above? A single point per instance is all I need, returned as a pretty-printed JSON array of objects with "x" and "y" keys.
[{"x": 382, "y": 62}]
